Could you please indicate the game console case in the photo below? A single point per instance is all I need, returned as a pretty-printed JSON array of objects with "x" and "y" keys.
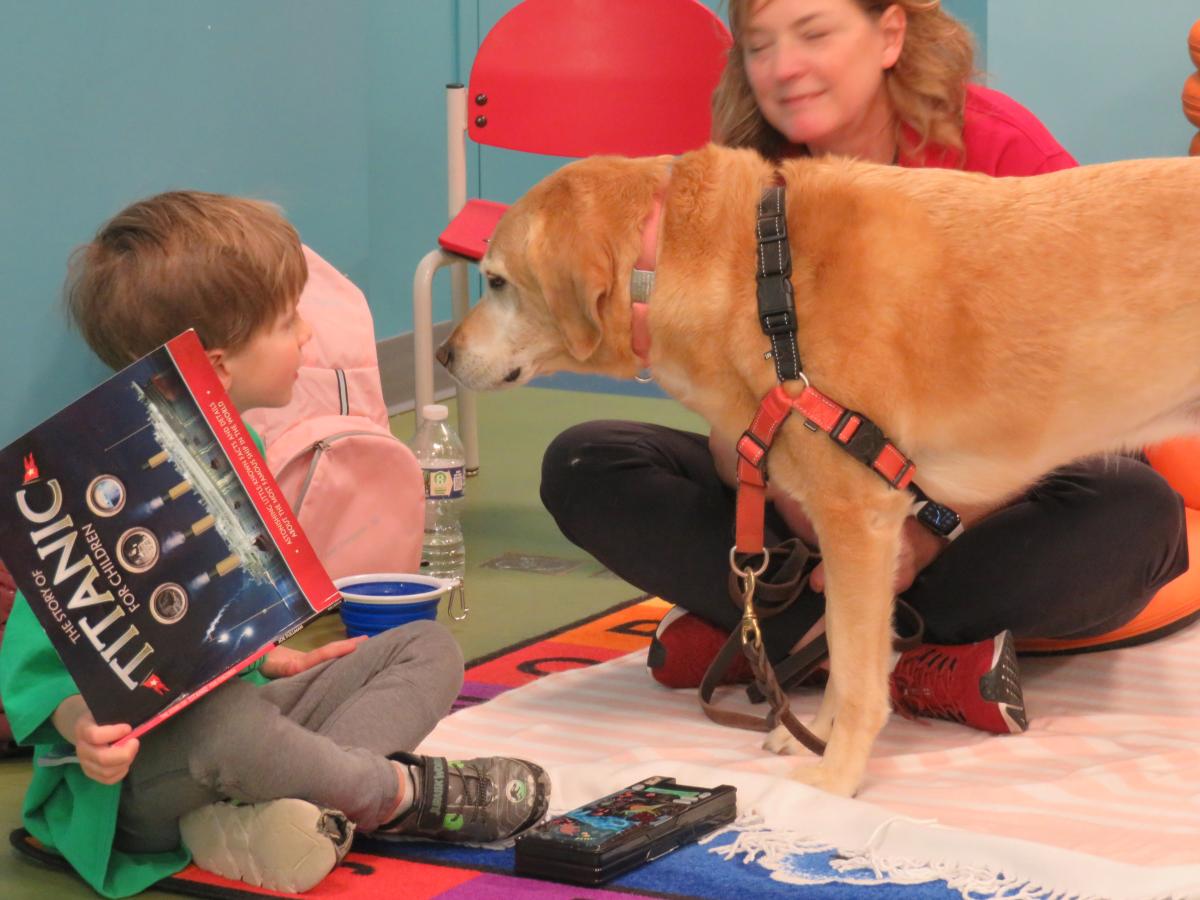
[{"x": 610, "y": 836}]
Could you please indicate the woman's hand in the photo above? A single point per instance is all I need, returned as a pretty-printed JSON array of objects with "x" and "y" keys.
[
  {"x": 99, "y": 760},
  {"x": 281, "y": 662},
  {"x": 918, "y": 548}
]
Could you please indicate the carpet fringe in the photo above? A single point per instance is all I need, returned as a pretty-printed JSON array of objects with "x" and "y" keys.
[{"x": 779, "y": 852}]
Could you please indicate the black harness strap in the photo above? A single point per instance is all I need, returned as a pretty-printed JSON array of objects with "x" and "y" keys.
[{"x": 776, "y": 300}]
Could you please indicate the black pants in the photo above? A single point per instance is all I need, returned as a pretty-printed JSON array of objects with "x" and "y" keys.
[{"x": 1080, "y": 554}]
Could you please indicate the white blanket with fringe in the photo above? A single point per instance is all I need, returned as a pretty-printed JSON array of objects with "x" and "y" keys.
[{"x": 1099, "y": 799}]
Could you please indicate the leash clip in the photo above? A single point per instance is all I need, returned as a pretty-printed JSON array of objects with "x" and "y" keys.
[
  {"x": 457, "y": 591},
  {"x": 748, "y": 572},
  {"x": 751, "y": 633}
]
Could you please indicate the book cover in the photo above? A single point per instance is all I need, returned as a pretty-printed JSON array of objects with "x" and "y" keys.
[{"x": 151, "y": 542}]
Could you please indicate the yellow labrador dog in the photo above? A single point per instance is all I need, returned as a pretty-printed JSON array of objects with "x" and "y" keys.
[{"x": 993, "y": 328}]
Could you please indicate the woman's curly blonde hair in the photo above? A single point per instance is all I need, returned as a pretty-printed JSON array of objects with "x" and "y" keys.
[{"x": 927, "y": 85}]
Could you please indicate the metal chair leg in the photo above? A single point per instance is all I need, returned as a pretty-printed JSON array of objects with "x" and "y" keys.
[
  {"x": 468, "y": 428},
  {"x": 423, "y": 326}
]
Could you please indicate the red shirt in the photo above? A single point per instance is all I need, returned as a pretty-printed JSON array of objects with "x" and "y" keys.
[{"x": 1000, "y": 137}]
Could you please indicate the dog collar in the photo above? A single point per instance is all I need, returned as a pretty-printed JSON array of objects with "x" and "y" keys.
[{"x": 641, "y": 284}]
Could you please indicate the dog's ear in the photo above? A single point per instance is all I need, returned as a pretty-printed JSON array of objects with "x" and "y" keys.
[
  {"x": 576, "y": 277},
  {"x": 576, "y": 309}
]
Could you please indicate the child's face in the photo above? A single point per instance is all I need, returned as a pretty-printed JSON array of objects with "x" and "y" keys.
[{"x": 263, "y": 371}]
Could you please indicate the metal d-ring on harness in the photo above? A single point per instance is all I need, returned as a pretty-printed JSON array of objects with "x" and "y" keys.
[{"x": 851, "y": 430}]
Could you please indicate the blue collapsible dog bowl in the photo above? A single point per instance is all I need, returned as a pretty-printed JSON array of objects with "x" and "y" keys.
[{"x": 374, "y": 603}]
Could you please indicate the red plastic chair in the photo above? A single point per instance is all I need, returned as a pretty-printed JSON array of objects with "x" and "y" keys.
[{"x": 566, "y": 78}]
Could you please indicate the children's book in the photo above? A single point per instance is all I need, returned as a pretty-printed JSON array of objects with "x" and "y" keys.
[{"x": 151, "y": 542}]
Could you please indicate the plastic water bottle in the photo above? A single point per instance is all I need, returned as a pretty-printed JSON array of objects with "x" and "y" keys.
[{"x": 443, "y": 462}]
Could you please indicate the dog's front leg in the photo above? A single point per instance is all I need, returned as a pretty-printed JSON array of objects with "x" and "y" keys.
[{"x": 859, "y": 528}]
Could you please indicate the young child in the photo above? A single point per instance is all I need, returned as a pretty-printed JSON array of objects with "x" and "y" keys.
[{"x": 302, "y": 742}]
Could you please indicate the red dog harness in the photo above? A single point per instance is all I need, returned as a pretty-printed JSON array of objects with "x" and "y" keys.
[
  {"x": 857, "y": 434},
  {"x": 851, "y": 430}
]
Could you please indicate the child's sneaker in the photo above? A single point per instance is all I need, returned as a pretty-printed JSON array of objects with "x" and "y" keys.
[
  {"x": 282, "y": 845},
  {"x": 975, "y": 684},
  {"x": 682, "y": 648},
  {"x": 479, "y": 800}
]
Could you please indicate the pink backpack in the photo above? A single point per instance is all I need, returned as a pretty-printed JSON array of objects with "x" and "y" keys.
[{"x": 356, "y": 489}]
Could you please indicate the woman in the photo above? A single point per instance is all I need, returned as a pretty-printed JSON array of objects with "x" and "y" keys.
[
  {"x": 1079, "y": 555},
  {"x": 880, "y": 81}
]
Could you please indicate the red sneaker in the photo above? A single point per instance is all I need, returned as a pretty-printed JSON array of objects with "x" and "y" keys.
[
  {"x": 975, "y": 684},
  {"x": 682, "y": 648}
]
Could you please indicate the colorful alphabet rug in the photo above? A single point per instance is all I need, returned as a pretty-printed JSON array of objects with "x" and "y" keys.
[{"x": 1099, "y": 799}]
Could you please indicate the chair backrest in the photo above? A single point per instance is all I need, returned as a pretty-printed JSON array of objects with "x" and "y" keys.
[{"x": 582, "y": 77}]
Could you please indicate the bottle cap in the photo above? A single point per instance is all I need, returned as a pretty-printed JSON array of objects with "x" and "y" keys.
[{"x": 434, "y": 412}]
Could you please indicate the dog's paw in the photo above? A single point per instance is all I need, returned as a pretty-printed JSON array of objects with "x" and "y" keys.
[
  {"x": 780, "y": 741},
  {"x": 825, "y": 778}
]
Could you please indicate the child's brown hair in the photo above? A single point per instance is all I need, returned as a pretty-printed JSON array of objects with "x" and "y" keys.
[{"x": 226, "y": 266}]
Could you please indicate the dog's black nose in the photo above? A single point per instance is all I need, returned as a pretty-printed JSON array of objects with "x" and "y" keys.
[{"x": 445, "y": 355}]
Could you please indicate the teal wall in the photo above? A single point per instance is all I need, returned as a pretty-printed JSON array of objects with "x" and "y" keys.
[
  {"x": 1104, "y": 75},
  {"x": 335, "y": 110}
]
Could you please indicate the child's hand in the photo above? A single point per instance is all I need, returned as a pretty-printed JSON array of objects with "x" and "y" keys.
[
  {"x": 281, "y": 662},
  {"x": 99, "y": 760}
]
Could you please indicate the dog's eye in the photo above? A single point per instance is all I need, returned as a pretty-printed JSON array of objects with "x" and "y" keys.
[{"x": 496, "y": 282}]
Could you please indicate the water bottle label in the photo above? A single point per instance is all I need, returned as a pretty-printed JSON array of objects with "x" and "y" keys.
[{"x": 445, "y": 484}]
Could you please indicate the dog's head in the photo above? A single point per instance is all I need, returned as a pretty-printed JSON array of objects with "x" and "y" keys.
[{"x": 556, "y": 292}]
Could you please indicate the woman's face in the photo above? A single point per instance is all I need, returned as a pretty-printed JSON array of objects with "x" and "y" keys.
[{"x": 816, "y": 69}]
